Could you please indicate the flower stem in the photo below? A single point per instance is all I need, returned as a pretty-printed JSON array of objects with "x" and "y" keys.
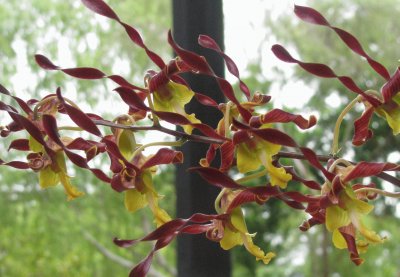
[
  {"x": 159, "y": 143},
  {"x": 335, "y": 143},
  {"x": 252, "y": 176},
  {"x": 378, "y": 191},
  {"x": 155, "y": 117}
]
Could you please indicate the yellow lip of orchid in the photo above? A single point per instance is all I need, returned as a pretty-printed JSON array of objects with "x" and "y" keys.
[
  {"x": 349, "y": 213},
  {"x": 173, "y": 97},
  {"x": 236, "y": 232},
  {"x": 148, "y": 196},
  {"x": 255, "y": 153}
]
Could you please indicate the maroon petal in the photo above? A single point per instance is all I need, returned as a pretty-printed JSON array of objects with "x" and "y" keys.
[
  {"x": 209, "y": 43},
  {"x": 84, "y": 73},
  {"x": 362, "y": 133},
  {"x": 199, "y": 64},
  {"x": 324, "y": 71},
  {"x": 100, "y": 7},
  {"x": 79, "y": 117},
  {"x": 392, "y": 87},
  {"x": 366, "y": 169},
  {"x": 227, "y": 151},
  {"x": 130, "y": 97},
  {"x": 19, "y": 144},
  {"x": 15, "y": 164},
  {"x": 164, "y": 156},
  {"x": 312, "y": 16},
  {"x": 216, "y": 177},
  {"x": 278, "y": 115}
]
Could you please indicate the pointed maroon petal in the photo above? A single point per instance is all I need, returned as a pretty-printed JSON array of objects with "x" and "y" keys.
[
  {"x": 15, "y": 164},
  {"x": 362, "y": 133},
  {"x": 50, "y": 126},
  {"x": 130, "y": 97},
  {"x": 32, "y": 130},
  {"x": 3, "y": 90},
  {"x": 259, "y": 194},
  {"x": 227, "y": 151},
  {"x": 100, "y": 7},
  {"x": 209, "y": 43},
  {"x": 113, "y": 149},
  {"x": 366, "y": 169},
  {"x": 278, "y": 115},
  {"x": 295, "y": 177},
  {"x": 324, "y": 71},
  {"x": 164, "y": 156},
  {"x": 19, "y": 144},
  {"x": 291, "y": 203},
  {"x": 84, "y": 73},
  {"x": 216, "y": 177},
  {"x": 392, "y": 87},
  {"x": 79, "y": 117},
  {"x": 143, "y": 267},
  {"x": 199, "y": 64},
  {"x": 45, "y": 63},
  {"x": 205, "y": 100},
  {"x": 312, "y": 16}
]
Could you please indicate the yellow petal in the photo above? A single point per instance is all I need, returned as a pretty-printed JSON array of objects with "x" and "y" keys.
[
  {"x": 338, "y": 240},
  {"x": 71, "y": 191},
  {"x": 170, "y": 96},
  {"x": 134, "y": 200},
  {"x": 336, "y": 218},
  {"x": 370, "y": 235},
  {"x": 192, "y": 118},
  {"x": 278, "y": 176},
  {"x": 48, "y": 178},
  {"x": 256, "y": 251},
  {"x": 237, "y": 220},
  {"x": 247, "y": 159},
  {"x": 230, "y": 239},
  {"x": 34, "y": 145},
  {"x": 126, "y": 143},
  {"x": 393, "y": 119}
]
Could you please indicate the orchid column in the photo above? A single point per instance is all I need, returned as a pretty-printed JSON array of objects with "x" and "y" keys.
[{"x": 198, "y": 256}]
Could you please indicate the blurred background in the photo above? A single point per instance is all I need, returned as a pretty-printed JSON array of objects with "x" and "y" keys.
[{"x": 41, "y": 234}]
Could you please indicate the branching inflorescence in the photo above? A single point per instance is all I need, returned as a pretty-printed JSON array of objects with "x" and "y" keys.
[{"x": 246, "y": 140}]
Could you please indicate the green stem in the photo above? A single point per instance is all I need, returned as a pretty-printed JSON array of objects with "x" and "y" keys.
[
  {"x": 155, "y": 117},
  {"x": 159, "y": 143},
  {"x": 70, "y": 128},
  {"x": 252, "y": 176},
  {"x": 335, "y": 143},
  {"x": 218, "y": 200},
  {"x": 378, "y": 191}
]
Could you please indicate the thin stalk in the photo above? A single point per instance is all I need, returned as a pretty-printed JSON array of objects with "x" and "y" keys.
[
  {"x": 379, "y": 191},
  {"x": 252, "y": 176},
  {"x": 159, "y": 143},
  {"x": 335, "y": 143}
]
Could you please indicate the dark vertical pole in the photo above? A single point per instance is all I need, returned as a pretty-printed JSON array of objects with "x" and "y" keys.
[{"x": 197, "y": 256}]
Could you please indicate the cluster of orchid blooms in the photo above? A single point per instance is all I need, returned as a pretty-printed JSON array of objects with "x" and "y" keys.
[{"x": 246, "y": 141}]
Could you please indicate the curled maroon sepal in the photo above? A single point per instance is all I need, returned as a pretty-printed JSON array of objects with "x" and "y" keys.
[
  {"x": 79, "y": 117},
  {"x": 163, "y": 235},
  {"x": 199, "y": 64},
  {"x": 392, "y": 87},
  {"x": 216, "y": 177},
  {"x": 324, "y": 71},
  {"x": 313, "y": 16},
  {"x": 15, "y": 164},
  {"x": 209, "y": 43},
  {"x": 38, "y": 161},
  {"x": 100, "y": 7},
  {"x": 280, "y": 116}
]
